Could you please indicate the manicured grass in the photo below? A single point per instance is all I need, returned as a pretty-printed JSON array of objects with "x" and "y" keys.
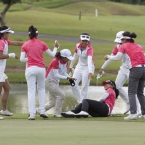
[{"x": 90, "y": 131}]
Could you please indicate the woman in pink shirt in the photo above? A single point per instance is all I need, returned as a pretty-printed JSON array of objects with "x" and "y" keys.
[
  {"x": 32, "y": 54},
  {"x": 137, "y": 72},
  {"x": 4, "y": 42},
  {"x": 57, "y": 70},
  {"x": 101, "y": 108},
  {"x": 84, "y": 69}
]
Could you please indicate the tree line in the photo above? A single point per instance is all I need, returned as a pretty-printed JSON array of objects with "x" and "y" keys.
[{"x": 134, "y": 2}]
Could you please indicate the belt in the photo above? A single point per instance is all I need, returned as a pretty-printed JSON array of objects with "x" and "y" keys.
[{"x": 140, "y": 65}]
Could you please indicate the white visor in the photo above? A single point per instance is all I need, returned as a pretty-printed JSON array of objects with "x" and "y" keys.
[
  {"x": 125, "y": 37},
  {"x": 85, "y": 37},
  {"x": 7, "y": 30}
]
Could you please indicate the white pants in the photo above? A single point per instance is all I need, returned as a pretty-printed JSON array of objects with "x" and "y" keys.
[
  {"x": 122, "y": 77},
  {"x": 35, "y": 76},
  {"x": 81, "y": 74},
  {"x": 56, "y": 96}
]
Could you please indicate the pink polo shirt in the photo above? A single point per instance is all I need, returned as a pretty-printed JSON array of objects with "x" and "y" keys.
[
  {"x": 34, "y": 50},
  {"x": 57, "y": 63},
  {"x": 4, "y": 48},
  {"x": 135, "y": 53},
  {"x": 83, "y": 54},
  {"x": 3, "y": 42},
  {"x": 111, "y": 99},
  {"x": 115, "y": 50}
]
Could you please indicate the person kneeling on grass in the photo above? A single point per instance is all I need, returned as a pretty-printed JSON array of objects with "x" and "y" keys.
[{"x": 101, "y": 108}]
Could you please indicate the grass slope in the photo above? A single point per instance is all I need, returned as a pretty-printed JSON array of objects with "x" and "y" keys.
[{"x": 64, "y": 20}]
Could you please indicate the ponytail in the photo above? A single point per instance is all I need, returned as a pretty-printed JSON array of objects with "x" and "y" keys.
[
  {"x": 32, "y": 31},
  {"x": 116, "y": 92}
]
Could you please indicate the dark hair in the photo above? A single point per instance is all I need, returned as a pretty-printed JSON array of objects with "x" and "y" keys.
[
  {"x": 32, "y": 32},
  {"x": 115, "y": 89},
  {"x": 1, "y": 29},
  {"x": 84, "y": 33},
  {"x": 128, "y": 34},
  {"x": 58, "y": 55}
]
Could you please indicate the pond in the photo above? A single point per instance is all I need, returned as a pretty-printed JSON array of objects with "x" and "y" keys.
[{"x": 17, "y": 102}]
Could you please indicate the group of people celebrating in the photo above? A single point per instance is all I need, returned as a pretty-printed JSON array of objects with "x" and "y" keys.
[{"x": 41, "y": 79}]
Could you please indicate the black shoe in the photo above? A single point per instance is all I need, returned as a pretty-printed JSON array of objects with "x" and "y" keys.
[
  {"x": 67, "y": 115},
  {"x": 43, "y": 116}
]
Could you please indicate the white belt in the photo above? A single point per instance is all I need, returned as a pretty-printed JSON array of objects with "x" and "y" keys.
[
  {"x": 140, "y": 65},
  {"x": 109, "y": 109}
]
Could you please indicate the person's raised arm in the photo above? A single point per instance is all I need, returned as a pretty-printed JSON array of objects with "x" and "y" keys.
[
  {"x": 17, "y": 43},
  {"x": 52, "y": 53},
  {"x": 116, "y": 57}
]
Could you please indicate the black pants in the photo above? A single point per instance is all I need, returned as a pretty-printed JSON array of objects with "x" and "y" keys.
[{"x": 94, "y": 108}]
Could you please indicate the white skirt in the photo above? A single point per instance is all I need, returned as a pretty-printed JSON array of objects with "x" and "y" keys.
[{"x": 3, "y": 77}]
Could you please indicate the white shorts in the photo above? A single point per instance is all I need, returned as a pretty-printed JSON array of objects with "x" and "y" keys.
[{"x": 3, "y": 77}]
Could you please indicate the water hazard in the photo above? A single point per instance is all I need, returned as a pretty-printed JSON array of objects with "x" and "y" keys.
[{"x": 17, "y": 102}]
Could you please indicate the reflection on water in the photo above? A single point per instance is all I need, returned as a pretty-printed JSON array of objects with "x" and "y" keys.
[{"x": 17, "y": 102}]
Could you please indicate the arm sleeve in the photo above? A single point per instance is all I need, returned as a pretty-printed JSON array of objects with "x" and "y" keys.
[
  {"x": 57, "y": 75},
  {"x": 106, "y": 63},
  {"x": 23, "y": 58},
  {"x": 51, "y": 53},
  {"x": 116, "y": 57},
  {"x": 75, "y": 56},
  {"x": 90, "y": 64},
  {"x": 105, "y": 95}
]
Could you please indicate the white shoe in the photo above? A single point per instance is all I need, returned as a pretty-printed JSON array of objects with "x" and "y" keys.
[
  {"x": 1, "y": 118},
  {"x": 127, "y": 108},
  {"x": 82, "y": 114},
  {"x": 57, "y": 116},
  {"x": 6, "y": 113},
  {"x": 31, "y": 118},
  {"x": 142, "y": 116},
  {"x": 131, "y": 117},
  {"x": 68, "y": 114}
]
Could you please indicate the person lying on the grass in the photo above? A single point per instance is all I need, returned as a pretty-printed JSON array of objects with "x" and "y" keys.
[{"x": 101, "y": 108}]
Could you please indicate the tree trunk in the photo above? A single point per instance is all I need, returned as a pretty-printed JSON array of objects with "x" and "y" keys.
[{"x": 2, "y": 14}]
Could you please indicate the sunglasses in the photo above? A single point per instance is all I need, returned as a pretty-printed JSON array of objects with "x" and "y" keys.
[{"x": 85, "y": 36}]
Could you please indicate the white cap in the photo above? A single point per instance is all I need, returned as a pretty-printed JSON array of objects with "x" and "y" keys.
[
  {"x": 7, "y": 30},
  {"x": 118, "y": 37},
  {"x": 85, "y": 37},
  {"x": 66, "y": 53}
]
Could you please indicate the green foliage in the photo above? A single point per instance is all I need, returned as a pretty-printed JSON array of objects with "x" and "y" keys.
[
  {"x": 141, "y": 2},
  {"x": 10, "y": 1}
]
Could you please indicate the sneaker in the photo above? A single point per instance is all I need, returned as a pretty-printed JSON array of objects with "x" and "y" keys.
[
  {"x": 68, "y": 114},
  {"x": 131, "y": 117},
  {"x": 31, "y": 118},
  {"x": 1, "y": 118},
  {"x": 43, "y": 115},
  {"x": 37, "y": 111},
  {"x": 127, "y": 108},
  {"x": 82, "y": 114},
  {"x": 57, "y": 116},
  {"x": 142, "y": 116},
  {"x": 6, "y": 113}
]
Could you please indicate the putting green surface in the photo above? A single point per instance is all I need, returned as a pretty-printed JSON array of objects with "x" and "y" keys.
[{"x": 54, "y": 131}]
